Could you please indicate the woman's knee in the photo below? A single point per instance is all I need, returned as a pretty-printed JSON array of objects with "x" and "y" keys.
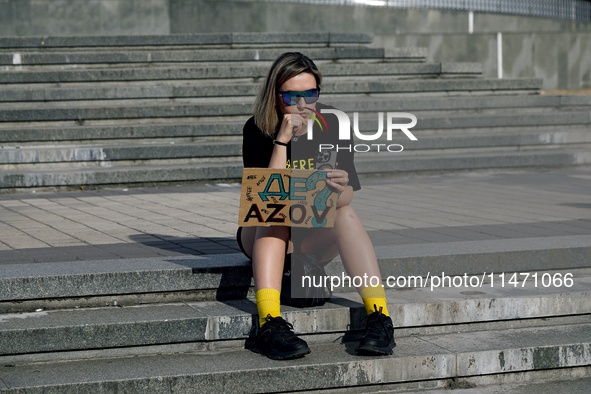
[
  {"x": 281, "y": 232},
  {"x": 346, "y": 214}
]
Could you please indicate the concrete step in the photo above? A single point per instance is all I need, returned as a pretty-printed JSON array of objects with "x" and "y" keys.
[
  {"x": 158, "y": 56},
  {"x": 468, "y": 122},
  {"x": 193, "y": 129},
  {"x": 456, "y": 144},
  {"x": 475, "y": 104},
  {"x": 406, "y": 54},
  {"x": 228, "y": 70},
  {"x": 475, "y": 161},
  {"x": 224, "y": 88},
  {"x": 182, "y": 151},
  {"x": 26, "y": 287},
  {"x": 576, "y": 385},
  {"x": 330, "y": 365},
  {"x": 138, "y": 154},
  {"x": 523, "y": 120},
  {"x": 122, "y": 174},
  {"x": 430, "y": 105},
  {"x": 11, "y": 43},
  {"x": 548, "y": 122},
  {"x": 216, "y": 325},
  {"x": 384, "y": 163},
  {"x": 242, "y": 106},
  {"x": 69, "y": 111}
]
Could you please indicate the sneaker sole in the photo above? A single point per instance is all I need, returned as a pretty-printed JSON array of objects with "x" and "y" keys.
[
  {"x": 284, "y": 356},
  {"x": 375, "y": 351}
]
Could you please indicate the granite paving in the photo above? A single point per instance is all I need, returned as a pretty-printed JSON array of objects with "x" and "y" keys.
[{"x": 43, "y": 226}]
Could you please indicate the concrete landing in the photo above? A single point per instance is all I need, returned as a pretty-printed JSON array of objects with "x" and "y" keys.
[{"x": 42, "y": 225}]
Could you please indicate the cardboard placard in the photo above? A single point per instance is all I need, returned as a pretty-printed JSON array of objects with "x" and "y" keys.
[{"x": 284, "y": 197}]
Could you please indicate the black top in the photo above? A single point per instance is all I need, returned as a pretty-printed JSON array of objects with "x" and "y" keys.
[{"x": 257, "y": 147}]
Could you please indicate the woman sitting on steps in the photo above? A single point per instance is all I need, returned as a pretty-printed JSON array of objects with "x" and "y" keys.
[{"x": 271, "y": 140}]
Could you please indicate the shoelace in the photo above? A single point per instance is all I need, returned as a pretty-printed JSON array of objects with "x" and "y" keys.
[
  {"x": 280, "y": 326},
  {"x": 373, "y": 321}
]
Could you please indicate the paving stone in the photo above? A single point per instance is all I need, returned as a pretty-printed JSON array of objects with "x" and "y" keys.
[
  {"x": 544, "y": 232},
  {"x": 582, "y": 223},
  {"x": 364, "y": 200},
  {"x": 565, "y": 228},
  {"x": 130, "y": 251},
  {"x": 89, "y": 252},
  {"x": 46, "y": 254},
  {"x": 13, "y": 257}
]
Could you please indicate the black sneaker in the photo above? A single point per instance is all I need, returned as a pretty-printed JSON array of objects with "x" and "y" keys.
[
  {"x": 276, "y": 340},
  {"x": 378, "y": 338}
]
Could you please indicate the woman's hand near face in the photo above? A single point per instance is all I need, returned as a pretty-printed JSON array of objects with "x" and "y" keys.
[{"x": 291, "y": 125}]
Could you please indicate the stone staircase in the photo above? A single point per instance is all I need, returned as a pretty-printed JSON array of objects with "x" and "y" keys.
[
  {"x": 137, "y": 110},
  {"x": 77, "y": 111},
  {"x": 181, "y": 324}
]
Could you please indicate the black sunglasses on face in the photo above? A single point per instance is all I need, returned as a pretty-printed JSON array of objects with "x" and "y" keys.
[{"x": 291, "y": 98}]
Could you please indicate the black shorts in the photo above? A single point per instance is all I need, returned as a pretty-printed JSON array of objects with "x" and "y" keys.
[{"x": 239, "y": 240}]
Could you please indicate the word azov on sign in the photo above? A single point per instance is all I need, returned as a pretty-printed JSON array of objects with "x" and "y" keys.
[{"x": 299, "y": 204}]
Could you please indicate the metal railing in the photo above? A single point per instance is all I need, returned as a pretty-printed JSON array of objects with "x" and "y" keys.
[{"x": 576, "y": 10}]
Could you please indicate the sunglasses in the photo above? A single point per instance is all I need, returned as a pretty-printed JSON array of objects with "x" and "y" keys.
[{"x": 292, "y": 98}]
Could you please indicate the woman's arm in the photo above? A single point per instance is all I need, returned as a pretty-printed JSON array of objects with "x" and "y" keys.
[
  {"x": 346, "y": 197},
  {"x": 279, "y": 157},
  {"x": 338, "y": 180}
]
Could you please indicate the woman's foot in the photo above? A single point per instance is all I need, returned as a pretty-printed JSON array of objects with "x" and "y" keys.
[
  {"x": 378, "y": 338},
  {"x": 276, "y": 340}
]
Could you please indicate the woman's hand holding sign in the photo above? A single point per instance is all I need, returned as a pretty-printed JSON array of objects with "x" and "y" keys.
[{"x": 338, "y": 180}]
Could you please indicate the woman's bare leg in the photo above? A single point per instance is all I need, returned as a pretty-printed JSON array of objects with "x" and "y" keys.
[
  {"x": 349, "y": 239},
  {"x": 359, "y": 259},
  {"x": 266, "y": 245},
  {"x": 248, "y": 236}
]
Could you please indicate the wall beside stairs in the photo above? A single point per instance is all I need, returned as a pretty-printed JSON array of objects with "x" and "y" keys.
[
  {"x": 561, "y": 59},
  {"x": 83, "y": 18},
  {"x": 124, "y": 17}
]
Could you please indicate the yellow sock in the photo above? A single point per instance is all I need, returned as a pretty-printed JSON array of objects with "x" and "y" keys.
[
  {"x": 267, "y": 304},
  {"x": 374, "y": 296}
]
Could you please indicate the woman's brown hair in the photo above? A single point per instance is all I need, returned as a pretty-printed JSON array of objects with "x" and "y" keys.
[{"x": 285, "y": 67}]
